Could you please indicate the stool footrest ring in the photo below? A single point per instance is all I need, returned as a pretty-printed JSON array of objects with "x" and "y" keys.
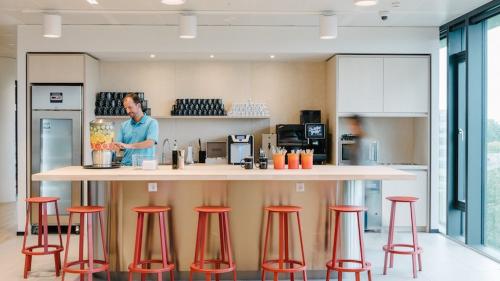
[
  {"x": 337, "y": 267},
  {"x": 195, "y": 266},
  {"x": 68, "y": 266},
  {"x": 392, "y": 249},
  {"x": 52, "y": 249},
  {"x": 273, "y": 266},
  {"x": 134, "y": 268}
]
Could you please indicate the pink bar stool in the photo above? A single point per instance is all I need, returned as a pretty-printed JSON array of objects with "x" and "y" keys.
[
  {"x": 43, "y": 247},
  {"x": 86, "y": 213},
  {"x": 225, "y": 263},
  {"x": 336, "y": 264},
  {"x": 165, "y": 264},
  {"x": 390, "y": 248},
  {"x": 284, "y": 264}
]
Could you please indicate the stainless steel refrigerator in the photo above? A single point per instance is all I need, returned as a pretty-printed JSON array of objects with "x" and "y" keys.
[{"x": 56, "y": 141}]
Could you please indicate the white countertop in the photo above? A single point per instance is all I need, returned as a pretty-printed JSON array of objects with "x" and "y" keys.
[{"x": 204, "y": 172}]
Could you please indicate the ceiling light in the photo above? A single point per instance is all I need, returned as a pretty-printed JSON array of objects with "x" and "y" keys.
[
  {"x": 152, "y": 56},
  {"x": 52, "y": 26},
  {"x": 328, "y": 24},
  {"x": 212, "y": 56},
  {"x": 188, "y": 25},
  {"x": 272, "y": 56},
  {"x": 365, "y": 3},
  {"x": 173, "y": 2},
  {"x": 93, "y": 2}
]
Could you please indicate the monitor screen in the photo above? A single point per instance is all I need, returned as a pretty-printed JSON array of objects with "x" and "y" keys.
[{"x": 315, "y": 130}]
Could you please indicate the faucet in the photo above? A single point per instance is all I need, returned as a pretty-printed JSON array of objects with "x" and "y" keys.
[{"x": 163, "y": 153}]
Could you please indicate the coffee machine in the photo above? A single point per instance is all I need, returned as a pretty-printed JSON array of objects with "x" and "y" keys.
[{"x": 310, "y": 134}]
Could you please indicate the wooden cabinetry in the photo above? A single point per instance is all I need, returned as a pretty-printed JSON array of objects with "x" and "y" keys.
[{"x": 56, "y": 68}]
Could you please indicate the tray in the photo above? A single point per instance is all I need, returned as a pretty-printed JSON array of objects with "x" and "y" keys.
[{"x": 113, "y": 166}]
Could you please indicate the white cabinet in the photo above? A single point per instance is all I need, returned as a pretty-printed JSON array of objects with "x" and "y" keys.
[
  {"x": 389, "y": 85},
  {"x": 56, "y": 68},
  {"x": 360, "y": 84},
  {"x": 406, "y": 84},
  {"x": 416, "y": 188}
]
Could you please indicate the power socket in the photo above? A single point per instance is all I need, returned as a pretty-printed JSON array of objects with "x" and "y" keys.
[
  {"x": 300, "y": 187},
  {"x": 152, "y": 187}
]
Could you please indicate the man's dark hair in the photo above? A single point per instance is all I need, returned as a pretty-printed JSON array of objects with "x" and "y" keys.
[
  {"x": 356, "y": 118},
  {"x": 134, "y": 97}
]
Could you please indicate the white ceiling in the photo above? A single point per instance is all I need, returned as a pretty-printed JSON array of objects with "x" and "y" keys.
[{"x": 226, "y": 12}]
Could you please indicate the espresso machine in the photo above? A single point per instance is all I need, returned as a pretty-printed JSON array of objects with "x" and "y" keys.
[{"x": 310, "y": 134}]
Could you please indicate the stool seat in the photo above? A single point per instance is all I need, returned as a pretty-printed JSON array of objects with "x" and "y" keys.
[
  {"x": 85, "y": 209},
  {"x": 212, "y": 209},
  {"x": 151, "y": 209},
  {"x": 42, "y": 199},
  {"x": 284, "y": 209},
  {"x": 402, "y": 199},
  {"x": 347, "y": 208}
]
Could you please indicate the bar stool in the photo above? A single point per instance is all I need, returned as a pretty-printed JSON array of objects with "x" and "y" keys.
[
  {"x": 338, "y": 264},
  {"x": 48, "y": 249},
  {"x": 86, "y": 213},
  {"x": 284, "y": 264},
  {"x": 165, "y": 264},
  {"x": 391, "y": 247},
  {"x": 226, "y": 258}
]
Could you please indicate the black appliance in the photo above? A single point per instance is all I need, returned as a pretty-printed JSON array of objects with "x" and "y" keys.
[
  {"x": 310, "y": 116},
  {"x": 295, "y": 136}
]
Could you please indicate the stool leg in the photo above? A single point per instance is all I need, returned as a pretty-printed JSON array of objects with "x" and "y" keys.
[
  {"x": 45, "y": 228},
  {"x": 268, "y": 229},
  {"x": 90, "y": 246},
  {"x": 415, "y": 240},
  {"x": 130, "y": 276},
  {"x": 280, "y": 241},
  {"x": 361, "y": 244},
  {"x": 302, "y": 246},
  {"x": 335, "y": 240},
  {"x": 222, "y": 244},
  {"x": 67, "y": 245},
  {"x": 389, "y": 238},
  {"x": 287, "y": 255},
  {"x": 159, "y": 276},
  {"x": 228, "y": 243},
  {"x": 27, "y": 258},
  {"x": 104, "y": 251},
  {"x": 163, "y": 239},
  {"x": 327, "y": 274},
  {"x": 391, "y": 264},
  {"x": 203, "y": 240},
  {"x": 40, "y": 224},
  {"x": 198, "y": 238},
  {"x": 358, "y": 278},
  {"x": 57, "y": 256},
  {"x": 80, "y": 244}
]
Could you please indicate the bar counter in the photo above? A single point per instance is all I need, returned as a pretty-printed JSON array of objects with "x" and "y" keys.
[{"x": 247, "y": 192}]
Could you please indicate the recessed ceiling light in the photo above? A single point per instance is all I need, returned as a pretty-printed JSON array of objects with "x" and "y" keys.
[
  {"x": 212, "y": 56},
  {"x": 272, "y": 56},
  {"x": 93, "y": 2},
  {"x": 173, "y": 2},
  {"x": 365, "y": 3},
  {"x": 152, "y": 56}
]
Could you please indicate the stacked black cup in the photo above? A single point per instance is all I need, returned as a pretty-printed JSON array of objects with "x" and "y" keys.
[
  {"x": 110, "y": 104},
  {"x": 198, "y": 107}
]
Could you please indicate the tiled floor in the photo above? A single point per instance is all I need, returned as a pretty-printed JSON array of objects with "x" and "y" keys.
[{"x": 443, "y": 260}]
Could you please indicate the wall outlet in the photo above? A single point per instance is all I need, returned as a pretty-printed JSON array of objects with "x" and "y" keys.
[
  {"x": 152, "y": 187},
  {"x": 300, "y": 187}
]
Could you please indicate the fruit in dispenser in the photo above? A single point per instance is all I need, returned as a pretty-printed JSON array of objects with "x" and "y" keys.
[{"x": 101, "y": 136}]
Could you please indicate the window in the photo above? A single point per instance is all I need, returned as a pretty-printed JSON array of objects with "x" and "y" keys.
[
  {"x": 492, "y": 135},
  {"x": 443, "y": 129}
]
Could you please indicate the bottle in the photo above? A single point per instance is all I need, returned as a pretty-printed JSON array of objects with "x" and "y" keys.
[{"x": 175, "y": 156}]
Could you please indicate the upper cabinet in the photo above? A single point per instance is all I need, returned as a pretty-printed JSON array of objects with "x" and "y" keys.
[
  {"x": 360, "y": 84},
  {"x": 56, "y": 68},
  {"x": 383, "y": 85},
  {"x": 406, "y": 84}
]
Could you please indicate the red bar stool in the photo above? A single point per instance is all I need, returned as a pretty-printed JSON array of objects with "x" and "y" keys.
[
  {"x": 225, "y": 263},
  {"x": 43, "y": 247},
  {"x": 338, "y": 264},
  {"x": 87, "y": 266},
  {"x": 165, "y": 264},
  {"x": 284, "y": 264},
  {"x": 390, "y": 248}
]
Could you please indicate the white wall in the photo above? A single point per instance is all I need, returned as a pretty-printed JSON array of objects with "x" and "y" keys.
[
  {"x": 238, "y": 41},
  {"x": 7, "y": 115}
]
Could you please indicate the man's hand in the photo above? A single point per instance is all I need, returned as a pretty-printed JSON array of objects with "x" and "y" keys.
[{"x": 122, "y": 145}]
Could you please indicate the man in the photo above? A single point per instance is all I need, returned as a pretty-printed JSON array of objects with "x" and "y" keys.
[{"x": 139, "y": 135}]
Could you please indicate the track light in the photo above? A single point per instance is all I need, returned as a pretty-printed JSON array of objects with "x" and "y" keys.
[
  {"x": 52, "y": 27},
  {"x": 188, "y": 25},
  {"x": 328, "y": 26}
]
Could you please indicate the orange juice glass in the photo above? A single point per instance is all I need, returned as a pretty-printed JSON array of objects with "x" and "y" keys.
[
  {"x": 307, "y": 161},
  {"x": 279, "y": 161},
  {"x": 293, "y": 161}
]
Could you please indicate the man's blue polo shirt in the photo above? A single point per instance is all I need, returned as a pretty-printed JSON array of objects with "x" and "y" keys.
[{"x": 133, "y": 132}]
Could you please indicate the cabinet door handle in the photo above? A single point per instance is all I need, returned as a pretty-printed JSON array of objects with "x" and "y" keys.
[{"x": 461, "y": 133}]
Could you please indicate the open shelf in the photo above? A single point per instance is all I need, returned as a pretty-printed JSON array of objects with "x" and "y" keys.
[{"x": 190, "y": 117}]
